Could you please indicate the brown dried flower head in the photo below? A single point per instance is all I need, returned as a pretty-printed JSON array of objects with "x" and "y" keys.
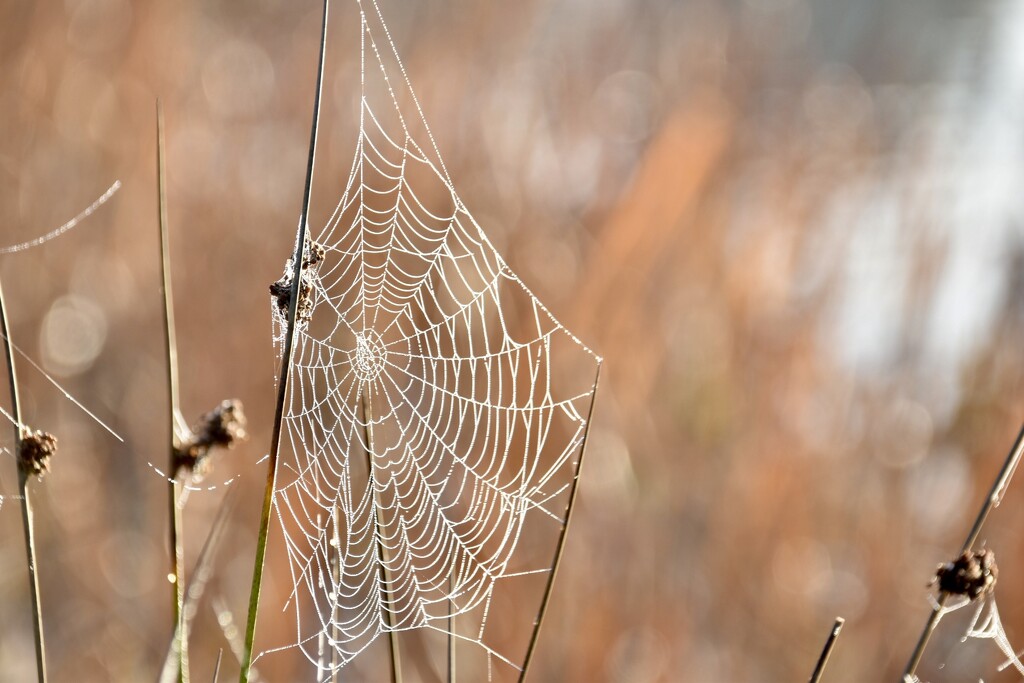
[
  {"x": 972, "y": 574},
  {"x": 282, "y": 289},
  {"x": 34, "y": 451},
  {"x": 223, "y": 427}
]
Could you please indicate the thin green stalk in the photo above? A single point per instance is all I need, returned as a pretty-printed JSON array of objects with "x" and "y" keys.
[
  {"x": 382, "y": 552},
  {"x": 286, "y": 365},
  {"x": 995, "y": 497},
  {"x": 26, "y": 501},
  {"x": 562, "y": 536},
  {"x": 176, "y": 574},
  {"x": 826, "y": 652}
]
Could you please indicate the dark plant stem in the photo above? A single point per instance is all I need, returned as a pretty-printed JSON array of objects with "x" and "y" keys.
[
  {"x": 23, "y": 491},
  {"x": 826, "y": 652},
  {"x": 216, "y": 668},
  {"x": 176, "y": 575},
  {"x": 995, "y": 497},
  {"x": 562, "y": 536},
  {"x": 283, "y": 381},
  {"x": 382, "y": 551}
]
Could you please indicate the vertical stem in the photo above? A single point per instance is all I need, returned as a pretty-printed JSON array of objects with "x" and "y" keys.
[
  {"x": 995, "y": 496},
  {"x": 216, "y": 668},
  {"x": 26, "y": 502},
  {"x": 562, "y": 536},
  {"x": 176, "y": 573},
  {"x": 382, "y": 552},
  {"x": 282, "y": 385},
  {"x": 335, "y": 626},
  {"x": 826, "y": 652},
  {"x": 451, "y": 627}
]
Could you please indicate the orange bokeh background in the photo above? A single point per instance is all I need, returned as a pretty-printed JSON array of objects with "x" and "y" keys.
[{"x": 793, "y": 229}]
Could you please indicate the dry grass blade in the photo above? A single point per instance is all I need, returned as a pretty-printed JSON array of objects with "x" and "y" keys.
[
  {"x": 826, "y": 652},
  {"x": 201, "y": 575},
  {"x": 561, "y": 538},
  {"x": 216, "y": 668},
  {"x": 176, "y": 542}
]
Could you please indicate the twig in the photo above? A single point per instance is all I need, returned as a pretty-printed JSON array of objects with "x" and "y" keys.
[
  {"x": 382, "y": 552},
  {"x": 174, "y": 516},
  {"x": 23, "y": 492},
  {"x": 286, "y": 365},
  {"x": 826, "y": 652},
  {"x": 995, "y": 497},
  {"x": 562, "y": 536},
  {"x": 216, "y": 668}
]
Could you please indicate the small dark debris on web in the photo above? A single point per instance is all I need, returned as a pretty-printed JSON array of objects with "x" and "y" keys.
[
  {"x": 281, "y": 290},
  {"x": 34, "y": 452},
  {"x": 224, "y": 426},
  {"x": 973, "y": 574}
]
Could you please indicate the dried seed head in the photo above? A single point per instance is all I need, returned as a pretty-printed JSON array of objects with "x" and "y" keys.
[
  {"x": 223, "y": 426},
  {"x": 313, "y": 254},
  {"x": 34, "y": 451},
  {"x": 281, "y": 290},
  {"x": 972, "y": 574}
]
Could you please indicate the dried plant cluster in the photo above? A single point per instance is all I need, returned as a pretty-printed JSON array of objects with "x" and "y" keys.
[
  {"x": 222, "y": 427},
  {"x": 973, "y": 574},
  {"x": 34, "y": 452},
  {"x": 281, "y": 290}
]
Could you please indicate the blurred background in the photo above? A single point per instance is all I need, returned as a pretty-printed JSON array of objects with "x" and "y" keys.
[{"x": 793, "y": 228}]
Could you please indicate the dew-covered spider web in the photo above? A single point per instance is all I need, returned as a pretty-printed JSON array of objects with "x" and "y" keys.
[
  {"x": 434, "y": 421},
  {"x": 985, "y": 624}
]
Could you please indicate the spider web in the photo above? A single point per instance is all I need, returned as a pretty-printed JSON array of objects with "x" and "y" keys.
[
  {"x": 436, "y": 414},
  {"x": 985, "y": 624}
]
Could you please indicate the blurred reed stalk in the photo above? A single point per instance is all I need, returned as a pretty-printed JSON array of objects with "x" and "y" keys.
[
  {"x": 23, "y": 492},
  {"x": 201, "y": 575},
  {"x": 286, "y": 365},
  {"x": 174, "y": 516},
  {"x": 995, "y": 497},
  {"x": 826, "y": 652},
  {"x": 561, "y": 538}
]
